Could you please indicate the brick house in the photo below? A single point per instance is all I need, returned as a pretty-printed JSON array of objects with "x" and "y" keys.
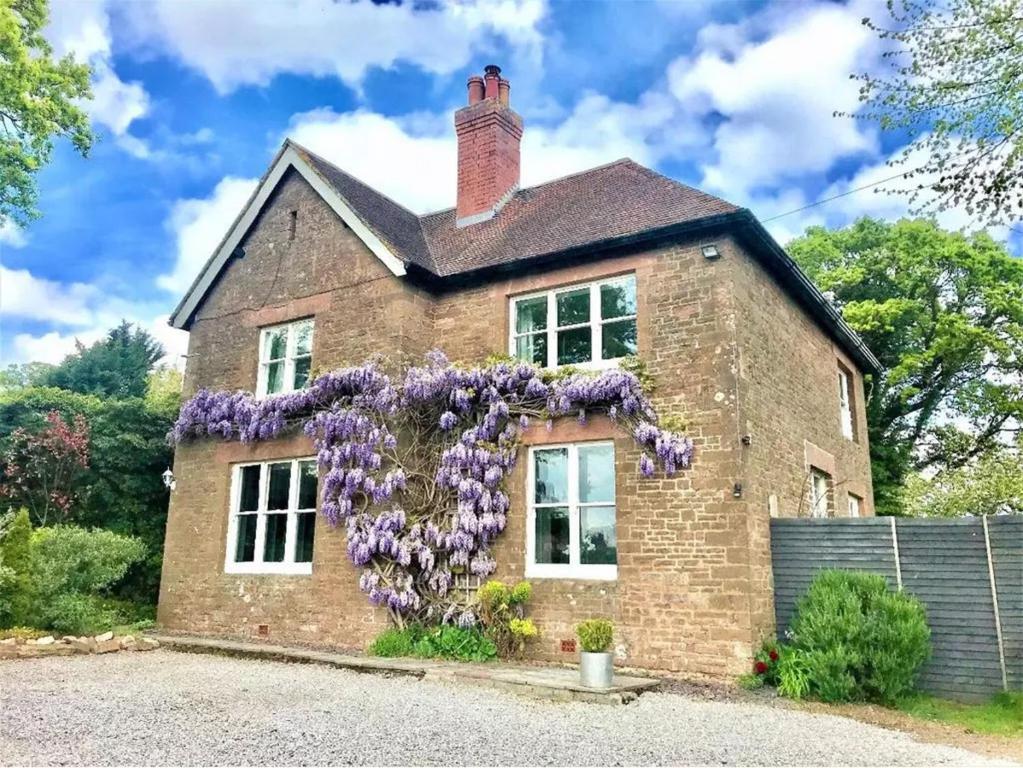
[{"x": 320, "y": 271}]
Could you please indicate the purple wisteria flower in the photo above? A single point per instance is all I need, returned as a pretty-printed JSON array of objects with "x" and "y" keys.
[{"x": 413, "y": 529}]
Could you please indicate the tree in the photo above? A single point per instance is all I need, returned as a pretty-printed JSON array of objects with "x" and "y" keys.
[
  {"x": 21, "y": 375},
  {"x": 117, "y": 366},
  {"x": 991, "y": 485},
  {"x": 956, "y": 81},
  {"x": 943, "y": 313},
  {"x": 122, "y": 489},
  {"x": 39, "y": 100},
  {"x": 41, "y": 469}
]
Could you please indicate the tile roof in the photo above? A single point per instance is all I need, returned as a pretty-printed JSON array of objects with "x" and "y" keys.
[{"x": 616, "y": 200}]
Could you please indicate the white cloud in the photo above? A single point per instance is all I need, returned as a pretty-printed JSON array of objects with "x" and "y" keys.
[
  {"x": 12, "y": 235},
  {"x": 54, "y": 346},
  {"x": 85, "y": 308},
  {"x": 416, "y": 170},
  {"x": 82, "y": 28},
  {"x": 51, "y": 347},
  {"x": 199, "y": 225},
  {"x": 413, "y": 158},
  {"x": 771, "y": 84},
  {"x": 862, "y": 194},
  {"x": 24, "y": 295},
  {"x": 238, "y": 42}
]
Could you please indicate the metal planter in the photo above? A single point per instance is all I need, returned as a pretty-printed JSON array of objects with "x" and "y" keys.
[{"x": 596, "y": 670}]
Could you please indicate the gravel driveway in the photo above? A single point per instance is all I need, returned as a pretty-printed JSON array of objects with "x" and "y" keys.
[{"x": 165, "y": 707}]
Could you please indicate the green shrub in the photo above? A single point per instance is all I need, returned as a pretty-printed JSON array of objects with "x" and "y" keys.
[
  {"x": 857, "y": 640},
  {"x": 68, "y": 572},
  {"x": 393, "y": 643},
  {"x": 793, "y": 676},
  {"x": 751, "y": 681},
  {"x": 455, "y": 644},
  {"x": 445, "y": 642},
  {"x": 501, "y": 611},
  {"x": 22, "y": 633},
  {"x": 595, "y": 635},
  {"x": 15, "y": 564}
]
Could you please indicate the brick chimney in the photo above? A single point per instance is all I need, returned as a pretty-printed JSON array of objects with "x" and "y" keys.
[{"x": 488, "y": 149}]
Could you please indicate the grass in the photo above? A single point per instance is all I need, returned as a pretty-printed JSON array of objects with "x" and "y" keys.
[{"x": 1002, "y": 715}]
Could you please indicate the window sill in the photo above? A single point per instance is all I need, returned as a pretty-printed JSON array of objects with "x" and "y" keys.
[
  {"x": 573, "y": 572},
  {"x": 269, "y": 569}
]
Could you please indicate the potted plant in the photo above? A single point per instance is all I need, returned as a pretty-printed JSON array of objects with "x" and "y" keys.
[{"x": 596, "y": 663}]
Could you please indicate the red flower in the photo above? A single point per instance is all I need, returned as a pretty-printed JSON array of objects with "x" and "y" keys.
[
  {"x": 760, "y": 667},
  {"x": 773, "y": 654}
]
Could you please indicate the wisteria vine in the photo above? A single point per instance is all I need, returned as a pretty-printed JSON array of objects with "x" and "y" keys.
[{"x": 416, "y": 472}]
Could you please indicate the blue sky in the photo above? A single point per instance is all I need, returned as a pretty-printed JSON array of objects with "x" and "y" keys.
[{"x": 193, "y": 99}]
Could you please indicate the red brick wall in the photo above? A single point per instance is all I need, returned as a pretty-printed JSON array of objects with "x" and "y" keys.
[
  {"x": 488, "y": 155},
  {"x": 789, "y": 407},
  {"x": 691, "y": 595}
]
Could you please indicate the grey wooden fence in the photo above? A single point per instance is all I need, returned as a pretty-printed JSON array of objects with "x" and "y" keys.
[{"x": 967, "y": 572}]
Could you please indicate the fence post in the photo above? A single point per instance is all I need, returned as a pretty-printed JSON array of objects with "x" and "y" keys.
[
  {"x": 898, "y": 559},
  {"x": 994, "y": 603}
]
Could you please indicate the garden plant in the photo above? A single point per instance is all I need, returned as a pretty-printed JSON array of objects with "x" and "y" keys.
[{"x": 852, "y": 639}]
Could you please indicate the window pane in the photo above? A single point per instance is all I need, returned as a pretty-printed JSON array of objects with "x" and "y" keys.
[
  {"x": 619, "y": 339},
  {"x": 552, "y": 535},
  {"x": 303, "y": 338},
  {"x": 596, "y": 473},
  {"x": 307, "y": 477},
  {"x": 249, "y": 499},
  {"x": 551, "y": 475},
  {"x": 597, "y": 541},
  {"x": 532, "y": 348},
  {"x": 304, "y": 545},
  {"x": 280, "y": 482},
  {"x": 302, "y": 365},
  {"x": 618, "y": 299},
  {"x": 275, "y": 378},
  {"x": 245, "y": 544},
  {"x": 531, "y": 314},
  {"x": 575, "y": 346},
  {"x": 275, "y": 342},
  {"x": 276, "y": 529},
  {"x": 573, "y": 307},
  {"x": 819, "y": 495}
]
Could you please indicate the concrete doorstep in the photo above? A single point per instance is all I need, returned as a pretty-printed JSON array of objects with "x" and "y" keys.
[{"x": 551, "y": 683}]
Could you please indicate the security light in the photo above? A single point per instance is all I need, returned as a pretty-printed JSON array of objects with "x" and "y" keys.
[{"x": 710, "y": 251}]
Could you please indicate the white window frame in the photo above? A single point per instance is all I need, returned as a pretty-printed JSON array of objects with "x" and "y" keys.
[
  {"x": 818, "y": 493},
  {"x": 595, "y": 323},
  {"x": 845, "y": 413},
  {"x": 855, "y": 505},
  {"x": 572, "y": 569},
  {"x": 288, "y": 566},
  {"x": 263, "y": 376}
]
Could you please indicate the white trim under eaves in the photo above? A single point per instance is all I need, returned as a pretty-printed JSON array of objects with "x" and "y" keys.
[{"x": 288, "y": 158}]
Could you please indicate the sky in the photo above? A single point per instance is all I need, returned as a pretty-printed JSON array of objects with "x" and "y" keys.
[{"x": 192, "y": 100}]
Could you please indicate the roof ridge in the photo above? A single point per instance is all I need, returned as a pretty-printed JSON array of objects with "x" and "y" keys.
[
  {"x": 655, "y": 172},
  {"x": 603, "y": 166},
  {"x": 352, "y": 176}
]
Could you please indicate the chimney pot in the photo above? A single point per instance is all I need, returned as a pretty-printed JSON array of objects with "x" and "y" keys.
[
  {"x": 475, "y": 86},
  {"x": 491, "y": 78},
  {"x": 503, "y": 89}
]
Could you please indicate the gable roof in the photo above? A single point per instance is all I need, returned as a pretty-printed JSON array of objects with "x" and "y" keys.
[
  {"x": 611, "y": 205},
  {"x": 616, "y": 200}
]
